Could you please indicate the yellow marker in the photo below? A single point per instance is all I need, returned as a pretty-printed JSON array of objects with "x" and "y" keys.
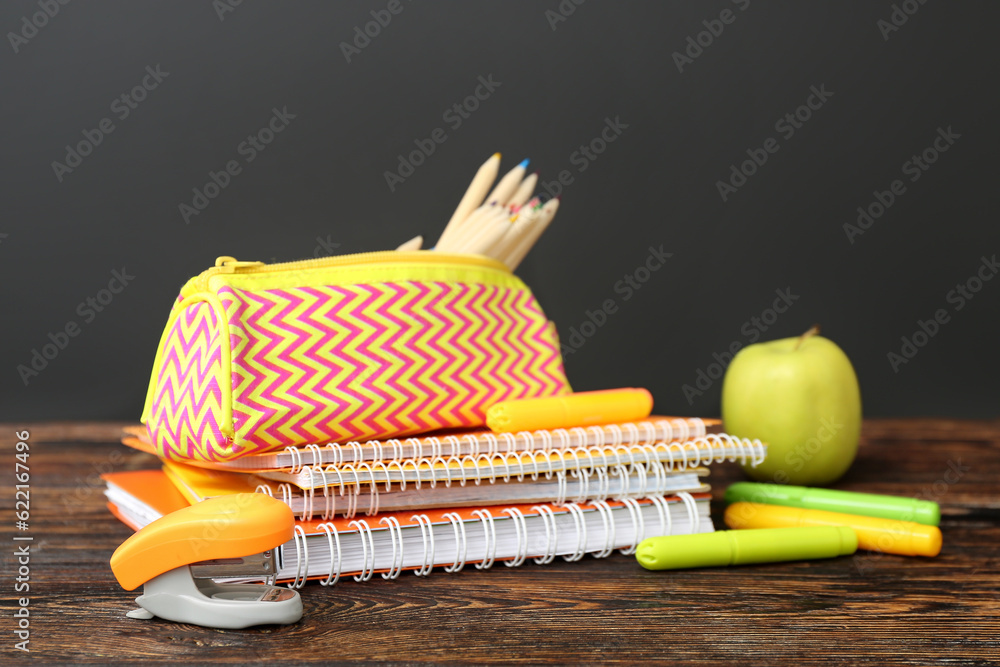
[
  {"x": 586, "y": 408},
  {"x": 905, "y": 538}
]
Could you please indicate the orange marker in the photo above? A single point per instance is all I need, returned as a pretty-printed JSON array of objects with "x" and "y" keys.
[{"x": 586, "y": 408}]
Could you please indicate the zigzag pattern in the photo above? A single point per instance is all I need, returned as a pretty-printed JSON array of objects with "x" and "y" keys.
[
  {"x": 337, "y": 363},
  {"x": 187, "y": 410}
]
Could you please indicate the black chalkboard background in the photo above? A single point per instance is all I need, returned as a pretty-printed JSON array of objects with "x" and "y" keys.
[{"x": 691, "y": 93}]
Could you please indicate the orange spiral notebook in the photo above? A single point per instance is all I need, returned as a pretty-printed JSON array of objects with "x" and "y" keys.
[{"x": 392, "y": 542}]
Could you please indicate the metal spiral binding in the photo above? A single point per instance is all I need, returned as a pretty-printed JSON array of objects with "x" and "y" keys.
[
  {"x": 616, "y": 433},
  {"x": 638, "y": 525},
  {"x": 562, "y": 489},
  {"x": 563, "y": 437},
  {"x": 460, "y": 467},
  {"x": 402, "y": 475},
  {"x": 692, "y": 508},
  {"x": 648, "y": 430},
  {"x": 397, "y": 448},
  {"x": 435, "y": 444},
  {"x": 490, "y": 534},
  {"x": 603, "y": 475},
  {"x": 416, "y": 447},
  {"x": 416, "y": 471},
  {"x": 546, "y": 441},
  {"x": 608, "y": 520},
  {"x": 296, "y": 457},
  {"x": 308, "y": 496},
  {"x": 461, "y": 546},
  {"x": 301, "y": 557},
  {"x": 583, "y": 480},
  {"x": 372, "y": 488},
  {"x": 395, "y": 535},
  {"x": 498, "y": 440},
  {"x": 632, "y": 465},
  {"x": 316, "y": 453},
  {"x": 663, "y": 511},
  {"x": 444, "y": 467},
  {"x": 623, "y": 473},
  {"x": 551, "y": 536},
  {"x": 332, "y": 537},
  {"x": 338, "y": 453},
  {"x": 580, "y": 523},
  {"x": 455, "y": 444},
  {"x": 427, "y": 534},
  {"x": 487, "y": 520},
  {"x": 473, "y": 443},
  {"x": 521, "y": 530},
  {"x": 367, "y": 549},
  {"x": 286, "y": 493},
  {"x": 661, "y": 430}
]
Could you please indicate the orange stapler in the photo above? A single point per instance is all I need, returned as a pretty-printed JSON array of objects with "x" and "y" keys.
[{"x": 178, "y": 557}]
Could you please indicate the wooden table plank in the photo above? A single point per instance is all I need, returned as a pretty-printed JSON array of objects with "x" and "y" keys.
[{"x": 865, "y": 609}]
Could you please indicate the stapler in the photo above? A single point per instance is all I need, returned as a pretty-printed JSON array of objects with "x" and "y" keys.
[{"x": 178, "y": 557}]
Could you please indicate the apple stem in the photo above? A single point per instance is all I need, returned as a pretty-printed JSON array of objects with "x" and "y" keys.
[{"x": 812, "y": 332}]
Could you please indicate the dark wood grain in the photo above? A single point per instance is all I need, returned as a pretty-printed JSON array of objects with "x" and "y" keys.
[{"x": 865, "y": 609}]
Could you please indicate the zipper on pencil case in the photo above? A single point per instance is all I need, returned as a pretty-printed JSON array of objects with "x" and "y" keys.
[{"x": 231, "y": 265}]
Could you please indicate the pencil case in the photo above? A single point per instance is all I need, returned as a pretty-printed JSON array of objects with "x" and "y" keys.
[{"x": 377, "y": 345}]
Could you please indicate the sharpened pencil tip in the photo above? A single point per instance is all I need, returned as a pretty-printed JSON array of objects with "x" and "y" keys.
[{"x": 524, "y": 163}]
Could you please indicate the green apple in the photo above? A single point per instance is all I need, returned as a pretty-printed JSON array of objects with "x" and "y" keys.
[{"x": 800, "y": 396}]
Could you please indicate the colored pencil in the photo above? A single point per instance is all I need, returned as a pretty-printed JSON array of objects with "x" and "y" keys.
[
  {"x": 503, "y": 224},
  {"x": 524, "y": 190},
  {"x": 508, "y": 184},
  {"x": 474, "y": 195},
  {"x": 532, "y": 234},
  {"x": 412, "y": 244}
]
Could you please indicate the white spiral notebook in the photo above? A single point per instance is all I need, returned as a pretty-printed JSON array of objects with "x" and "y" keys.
[
  {"x": 647, "y": 459},
  {"x": 449, "y": 444},
  {"x": 400, "y": 541},
  {"x": 578, "y": 486}
]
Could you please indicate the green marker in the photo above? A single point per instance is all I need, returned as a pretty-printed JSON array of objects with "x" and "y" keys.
[
  {"x": 846, "y": 502},
  {"x": 740, "y": 547}
]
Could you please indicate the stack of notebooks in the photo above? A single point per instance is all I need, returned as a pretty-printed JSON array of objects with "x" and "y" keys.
[{"x": 458, "y": 498}]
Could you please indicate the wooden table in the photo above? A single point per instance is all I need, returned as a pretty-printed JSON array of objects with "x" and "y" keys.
[{"x": 862, "y": 609}]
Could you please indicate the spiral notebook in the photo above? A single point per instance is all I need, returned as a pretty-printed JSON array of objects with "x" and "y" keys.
[
  {"x": 197, "y": 484},
  {"x": 648, "y": 459},
  {"x": 448, "y": 444},
  {"x": 480, "y": 536},
  {"x": 139, "y": 497}
]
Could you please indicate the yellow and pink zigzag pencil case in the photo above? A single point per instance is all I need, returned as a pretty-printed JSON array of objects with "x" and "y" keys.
[{"x": 375, "y": 345}]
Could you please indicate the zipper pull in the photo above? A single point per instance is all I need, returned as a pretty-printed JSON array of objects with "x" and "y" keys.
[{"x": 227, "y": 264}]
